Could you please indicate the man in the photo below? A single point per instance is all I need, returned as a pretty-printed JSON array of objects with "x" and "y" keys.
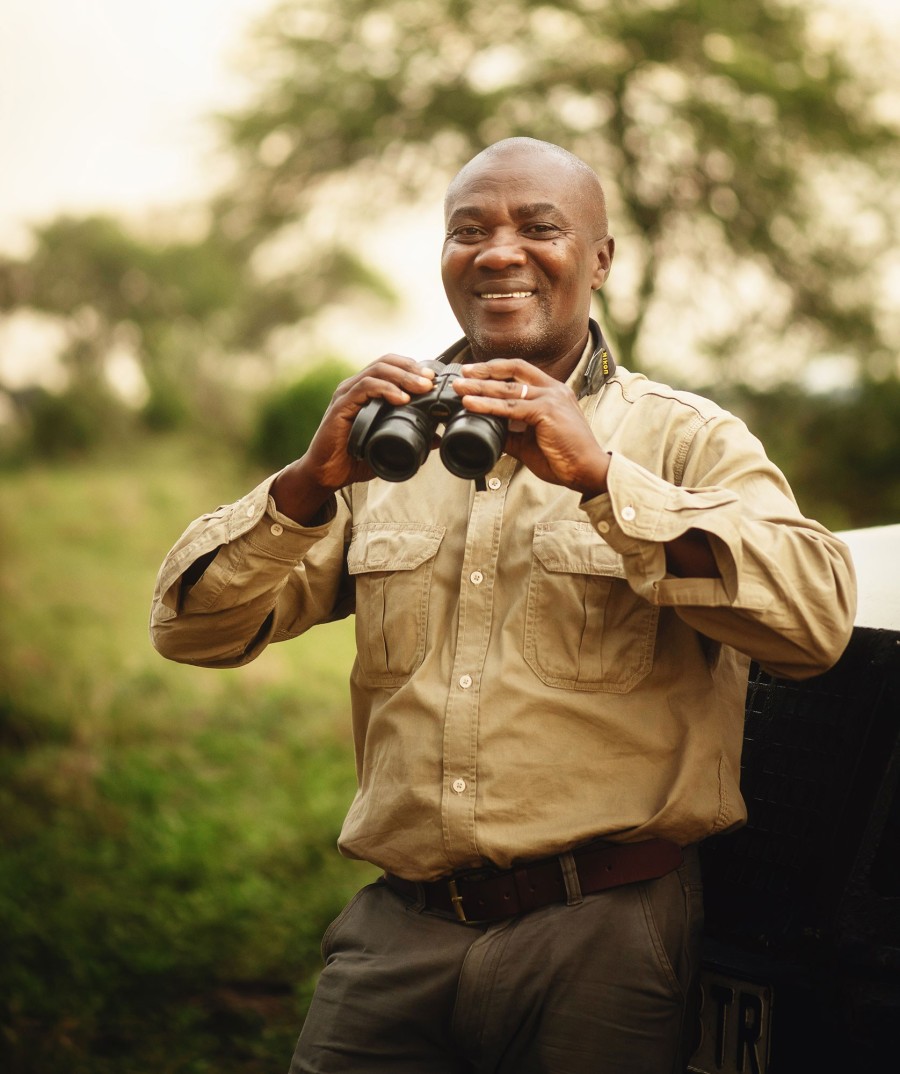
[{"x": 548, "y": 692}]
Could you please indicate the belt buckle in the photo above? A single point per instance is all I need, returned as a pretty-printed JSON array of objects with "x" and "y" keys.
[{"x": 456, "y": 899}]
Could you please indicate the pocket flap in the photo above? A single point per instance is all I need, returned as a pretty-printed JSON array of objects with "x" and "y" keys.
[
  {"x": 392, "y": 546},
  {"x": 571, "y": 547}
]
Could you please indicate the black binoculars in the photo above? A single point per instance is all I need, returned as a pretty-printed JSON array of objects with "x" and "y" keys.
[{"x": 396, "y": 440}]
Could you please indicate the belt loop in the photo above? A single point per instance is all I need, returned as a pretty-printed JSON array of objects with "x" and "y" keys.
[
  {"x": 419, "y": 905},
  {"x": 570, "y": 877}
]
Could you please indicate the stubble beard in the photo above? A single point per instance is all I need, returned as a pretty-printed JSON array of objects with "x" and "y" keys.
[{"x": 539, "y": 342}]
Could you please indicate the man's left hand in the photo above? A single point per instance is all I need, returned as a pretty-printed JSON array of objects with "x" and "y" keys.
[{"x": 547, "y": 430}]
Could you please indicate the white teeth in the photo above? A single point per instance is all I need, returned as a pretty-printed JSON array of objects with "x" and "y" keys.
[{"x": 514, "y": 294}]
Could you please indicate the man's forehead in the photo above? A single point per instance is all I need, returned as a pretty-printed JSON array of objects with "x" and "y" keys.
[{"x": 526, "y": 179}]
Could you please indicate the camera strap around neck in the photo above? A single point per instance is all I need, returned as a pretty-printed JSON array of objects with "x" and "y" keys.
[{"x": 600, "y": 367}]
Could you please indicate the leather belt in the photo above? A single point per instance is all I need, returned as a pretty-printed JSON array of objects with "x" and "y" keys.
[{"x": 493, "y": 895}]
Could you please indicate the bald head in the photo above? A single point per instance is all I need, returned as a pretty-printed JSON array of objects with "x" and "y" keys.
[
  {"x": 583, "y": 182},
  {"x": 525, "y": 247}
]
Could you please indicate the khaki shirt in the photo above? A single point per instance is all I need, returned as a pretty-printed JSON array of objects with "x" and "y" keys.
[{"x": 528, "y": 676}]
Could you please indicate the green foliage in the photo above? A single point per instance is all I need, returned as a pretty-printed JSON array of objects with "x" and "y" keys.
[
  {"x": 166, "y": 409},
  {"x": 70, "y": 423},
  {"x": 95, "y": 262},
  {"x": 840, "y": 451},
  {"x": 167, "y": 303},
  {"x": 185, "y": 309},
  {"x": 288, "y": 417},
  {"x": 739, "y": 146},
  {"x": 167, "y": 835}
]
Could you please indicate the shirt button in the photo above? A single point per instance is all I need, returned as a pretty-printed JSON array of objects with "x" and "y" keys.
[
  {"x": 251, "y": 511},
  {"x": 277, "y": 529},
  {"x": 459, "y": 785},
  {"x": 476, "y": 577},
  {"x": 494, "y": 483},
  {"x": 629, "y": 513},
  {"x": 465, "y": 681},
  {"x": 603, "y": 527}
]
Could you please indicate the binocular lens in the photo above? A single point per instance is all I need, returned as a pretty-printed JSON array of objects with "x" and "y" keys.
[
  {"x": 472, "y": 445},
  {"x": 396, "y": 453}
]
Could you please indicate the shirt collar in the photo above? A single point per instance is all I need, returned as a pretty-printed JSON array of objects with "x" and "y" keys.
[{"x": 594, "y": 368}]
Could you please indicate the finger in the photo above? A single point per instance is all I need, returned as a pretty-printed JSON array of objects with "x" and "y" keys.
[
  {"x": 512, "y": 390},
  {"x": 404, "y": 372},
  {"x": 506, "y": 369},
  {"x": 401, "y": 361},
  {"x": 394, "y": 381}
]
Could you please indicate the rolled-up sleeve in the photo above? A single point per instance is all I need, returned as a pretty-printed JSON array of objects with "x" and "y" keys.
[
  {"x": 786, "y": 591},
  {"x": 267, "y": 579}
]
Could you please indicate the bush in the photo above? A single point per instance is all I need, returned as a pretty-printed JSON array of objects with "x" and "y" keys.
[
  {"x": 69, "y": 424},
  {"x": 166, "y": 410},
  {"x": 289, "y": 417},
  {"x": 840, "y": 451}
]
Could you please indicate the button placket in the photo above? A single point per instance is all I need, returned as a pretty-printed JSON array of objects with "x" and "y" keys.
[{"x": 462, "y": 712}]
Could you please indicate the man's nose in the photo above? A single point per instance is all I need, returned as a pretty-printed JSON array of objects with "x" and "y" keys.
[{"x": 500, "y": 249}]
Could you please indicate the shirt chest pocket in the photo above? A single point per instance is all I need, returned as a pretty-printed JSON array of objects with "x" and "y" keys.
[
  {"x": 392, "y": 564},
  {"x": 585, "y": 628}
]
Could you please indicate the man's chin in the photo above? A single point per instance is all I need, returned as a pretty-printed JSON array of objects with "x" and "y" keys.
[{"x": 508, "y": 344}]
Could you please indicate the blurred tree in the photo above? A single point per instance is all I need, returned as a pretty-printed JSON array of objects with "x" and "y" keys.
[
  {"x": 110, "y": 289},
  {"x": 739, "y": 146},
  {"x": 182, "y": 309},
  {"x": 748, "y": 149},
  {"x": 841, "y": 450}
]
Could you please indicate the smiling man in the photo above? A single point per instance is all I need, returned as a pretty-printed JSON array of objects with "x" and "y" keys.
[
  {"x": 551, "y": 661},
  {"x": 518, "y": 272}
]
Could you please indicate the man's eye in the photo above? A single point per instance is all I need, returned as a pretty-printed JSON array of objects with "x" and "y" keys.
[
  {"x": 541, "y": 230},
  {"x": 466, "y": 232}
]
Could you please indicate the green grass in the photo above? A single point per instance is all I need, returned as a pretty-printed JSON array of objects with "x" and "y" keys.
[{"x": 167, "y": 834}]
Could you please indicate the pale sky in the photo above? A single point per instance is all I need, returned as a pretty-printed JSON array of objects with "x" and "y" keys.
[
  {"x": 103, "y": 106},
  {"x": 102, "y": 102}
]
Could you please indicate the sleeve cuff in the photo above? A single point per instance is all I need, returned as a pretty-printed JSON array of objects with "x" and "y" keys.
[
  {"x": 640, "y": 512},
  {"x": 253, "y": 518}
]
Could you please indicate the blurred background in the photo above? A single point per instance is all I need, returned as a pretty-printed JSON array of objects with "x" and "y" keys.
[{"x": 212, "y": 212}]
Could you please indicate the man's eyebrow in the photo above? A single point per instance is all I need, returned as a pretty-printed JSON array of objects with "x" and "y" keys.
[
  {"x": 522, "y": 212},
  {"x": 475, "y": 212},
  {"x": 537, "y": 208}
]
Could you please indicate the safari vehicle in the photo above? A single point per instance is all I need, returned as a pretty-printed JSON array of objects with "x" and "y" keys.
[{"x": 801, "y": 968}]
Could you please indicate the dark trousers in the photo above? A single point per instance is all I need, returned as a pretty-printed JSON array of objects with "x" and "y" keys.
[{"x": 603, "y": 985}]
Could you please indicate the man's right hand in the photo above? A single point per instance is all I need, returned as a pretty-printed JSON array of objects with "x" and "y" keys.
[{"x": 302, "y": 488}]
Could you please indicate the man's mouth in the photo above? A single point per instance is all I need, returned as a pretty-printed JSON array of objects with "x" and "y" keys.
[{"x": 505, "y": 294}]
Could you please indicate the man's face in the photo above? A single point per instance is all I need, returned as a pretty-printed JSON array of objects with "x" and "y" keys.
[{"x": 523, "y": 252}]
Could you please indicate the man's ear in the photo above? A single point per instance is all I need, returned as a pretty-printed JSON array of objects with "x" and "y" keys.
[{"x": 606, "y": 248}]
